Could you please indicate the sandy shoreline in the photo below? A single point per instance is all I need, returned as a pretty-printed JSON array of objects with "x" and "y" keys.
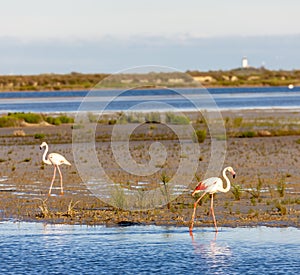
[{"x": 269, "y": 160}]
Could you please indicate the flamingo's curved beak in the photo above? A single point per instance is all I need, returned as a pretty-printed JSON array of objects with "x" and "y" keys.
[{"x": 233, "y": 175}]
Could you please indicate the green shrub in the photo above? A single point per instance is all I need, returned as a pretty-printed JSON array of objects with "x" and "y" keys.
[
  {"x": 176, "y": 119},
  {"x": 236, "y": 191},
  {"x": 118, "y": 198},
  {"x": 27, "y": 117},
  {"x": 112, "y": 121},
  {"x": 39, "y": 136},
  {"x": 66, "y": 119},
  {"x": 237, "y": 122},
  {"x": 199, "y": 136},
  {"x": 221, "y": 137},
  {"x": 166, "y": 192},
  {"x": 247, "y": 134},
  {"x": 92, "y": 117},
  {"x": 129, "y": 117},
  {"x": 77, "y": 126},
  {"x": 122, "y": 120},
  {"x": 153, "y": 117},
  {"x": 256, "y": 191},
  {"x": 280, "y": 208},
  {"x": 134, "y": 117},
  {"x": 281, "y": 186},
  {"x": 59, "y": 120},
  {"x": 49, "y": 119},
  {"x": 6, "y": 121},
  {"x": 14, "y": 119},
  {"x": 53, "y": 120}
]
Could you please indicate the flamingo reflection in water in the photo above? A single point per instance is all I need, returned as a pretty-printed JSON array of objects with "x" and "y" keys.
[{"x": 214, "y": 253}]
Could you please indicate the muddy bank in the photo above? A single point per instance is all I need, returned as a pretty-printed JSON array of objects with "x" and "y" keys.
[{"x": 265, "y": 192}]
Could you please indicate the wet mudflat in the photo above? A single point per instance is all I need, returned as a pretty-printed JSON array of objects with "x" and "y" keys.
[{"x": 266, "y": 190}]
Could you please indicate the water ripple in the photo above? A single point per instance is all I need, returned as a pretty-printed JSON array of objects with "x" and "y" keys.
[{"x": 65, "y": 249}]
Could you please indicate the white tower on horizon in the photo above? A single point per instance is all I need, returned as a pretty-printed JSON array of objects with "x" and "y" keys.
[{"x": 245, "y": 62}]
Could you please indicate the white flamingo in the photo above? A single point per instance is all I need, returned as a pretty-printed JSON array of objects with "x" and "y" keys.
[
  {"x": 211, "y": 186},
  {"x": 55, "y": 160}
]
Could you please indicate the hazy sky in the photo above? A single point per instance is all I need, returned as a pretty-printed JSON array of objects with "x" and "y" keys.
[{"x": 39, "y": 36}]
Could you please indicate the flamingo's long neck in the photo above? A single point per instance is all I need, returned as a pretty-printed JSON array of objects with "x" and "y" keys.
[
  {"x": 44, "y": 156},
  {"x": 227, "y": 182}
]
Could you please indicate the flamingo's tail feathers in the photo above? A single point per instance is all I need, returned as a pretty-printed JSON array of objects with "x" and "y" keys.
[{"x": 64, "y": 161}]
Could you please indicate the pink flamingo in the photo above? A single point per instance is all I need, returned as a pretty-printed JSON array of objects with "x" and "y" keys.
[
  {"x": 56, "y": 160},
  {"x": 211, "y": 186}
]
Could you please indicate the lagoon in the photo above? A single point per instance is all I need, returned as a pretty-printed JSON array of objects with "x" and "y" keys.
[
  {"x": 37, "y": 248},
  {"x": 116, "y": 100}
]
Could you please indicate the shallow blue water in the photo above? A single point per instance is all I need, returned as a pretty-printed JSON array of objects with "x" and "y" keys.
[
  {"x": 31, "y": 248},
  {"x": 225, "y": 98}
]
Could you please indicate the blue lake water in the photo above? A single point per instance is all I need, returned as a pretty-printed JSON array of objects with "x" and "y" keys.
[
  {"x": 114, "y": 100},
  {"x": 35, "y": 248}
]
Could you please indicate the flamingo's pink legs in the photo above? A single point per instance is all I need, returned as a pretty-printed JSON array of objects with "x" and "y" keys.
[
  {"x": 52, "y": 180},
  {"x": 194, "y": 213},
  {"x": 211, "y": 208},
  {"x": 212, "y": 211},
  {"x": 61, "y": 181}
]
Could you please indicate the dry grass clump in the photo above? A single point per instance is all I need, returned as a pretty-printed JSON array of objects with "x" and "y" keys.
[{"x": 19, "y": 133}]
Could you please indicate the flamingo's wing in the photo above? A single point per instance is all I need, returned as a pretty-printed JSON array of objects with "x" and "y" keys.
[
  {"x": 58, "y": 159},
  {"x": 209, "y": 185}
]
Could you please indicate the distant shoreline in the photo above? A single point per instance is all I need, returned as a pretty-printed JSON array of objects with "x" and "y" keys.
[
  {"x": 152, "y": 88},
  {"x": 241, "y": 77}
]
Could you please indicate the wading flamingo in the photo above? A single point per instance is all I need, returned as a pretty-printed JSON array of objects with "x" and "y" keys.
[
  {"x": 211, "y": 186},
  {"x": 55, "y": 160}
]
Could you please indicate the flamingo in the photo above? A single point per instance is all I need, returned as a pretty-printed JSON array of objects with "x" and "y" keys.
[
  {"x": 211, "y": 186},
  {"x": 56, "y": 160}
]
